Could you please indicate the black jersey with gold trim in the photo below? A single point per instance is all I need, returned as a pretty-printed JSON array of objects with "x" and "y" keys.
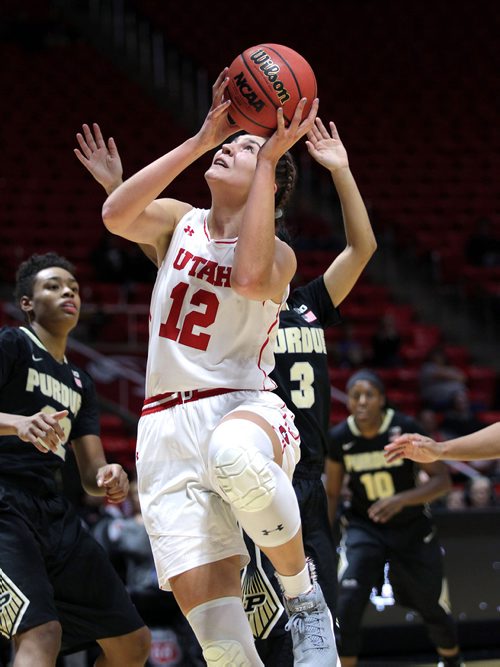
[
  {"x": 371, "y": 477},
  {"x": 301, "y": 370},
  {"x": 31, "y": 381}
]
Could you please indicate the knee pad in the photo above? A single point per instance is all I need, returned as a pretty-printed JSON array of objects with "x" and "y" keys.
[
  {"x": 224, "y": 634},
  {"x": 241, "y": 458},
  {"x": 260, "y": 493},
  {"x": 245, "y": 478},
  {"x": 225, "y": 654}
]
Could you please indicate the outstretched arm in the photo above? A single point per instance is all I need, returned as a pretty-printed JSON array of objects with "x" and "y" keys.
[
  {"x": 133, "y": 210},
  {"x": 482, "y": 444},
  {"x": 102, "y": 160},
  {"x": 327, "y": 149}
]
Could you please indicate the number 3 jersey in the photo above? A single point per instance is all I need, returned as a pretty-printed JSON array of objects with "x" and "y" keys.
[
  {"x": 371, "y": 477},
  {"x": 202, "y": 334}
]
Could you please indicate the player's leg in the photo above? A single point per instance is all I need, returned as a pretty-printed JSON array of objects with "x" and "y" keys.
[
  {"x": 92, "y": 601},
  {"x": 38, "y": 646},
  {"x": 417, "y": 577},
  {"x": 29, "y": 616},
  {"x": 210, "y": 597},
  {"x": 242, "y": 456},
  {"x": 362, "y": 558}
]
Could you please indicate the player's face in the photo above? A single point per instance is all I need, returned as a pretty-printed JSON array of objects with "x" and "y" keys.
[
  {"x": 235, "y": 162},
  {"x": 55, "y": 299},
  {"x": 366, "y": 403}
]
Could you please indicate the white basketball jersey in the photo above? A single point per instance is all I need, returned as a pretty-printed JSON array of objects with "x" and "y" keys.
[{"x": 202, "y": 334}]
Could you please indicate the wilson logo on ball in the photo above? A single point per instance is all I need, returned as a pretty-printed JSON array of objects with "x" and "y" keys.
[
  {"x": 271, "y": 71},
  {"x": 263, "y": 79}
]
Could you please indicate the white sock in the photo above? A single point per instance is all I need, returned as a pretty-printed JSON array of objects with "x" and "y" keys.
[{"x": 297, "y": 584}]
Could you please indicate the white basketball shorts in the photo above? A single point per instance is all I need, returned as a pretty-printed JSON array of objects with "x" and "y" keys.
[{"x": 188, "y": 523}]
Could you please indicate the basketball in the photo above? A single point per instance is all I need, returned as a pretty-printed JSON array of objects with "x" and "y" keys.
[{"x": 264, "y": 78}]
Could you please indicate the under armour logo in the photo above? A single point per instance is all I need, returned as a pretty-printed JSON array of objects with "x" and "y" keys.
[
  {"x": 274, "y": 530},
  {"x": 189, "y": 230}
]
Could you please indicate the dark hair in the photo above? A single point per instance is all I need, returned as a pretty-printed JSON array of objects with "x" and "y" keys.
[
  {"x": 286, "y": 177},
  {"x": 368, "y": 376},
  {"x": 30, "y": 268}
]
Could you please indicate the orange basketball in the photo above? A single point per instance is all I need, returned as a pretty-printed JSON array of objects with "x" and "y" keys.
[{"x": 264, "y": 78}]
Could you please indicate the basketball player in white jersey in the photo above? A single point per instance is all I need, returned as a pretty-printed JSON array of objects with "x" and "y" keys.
[{"x": 215, "y": 446}]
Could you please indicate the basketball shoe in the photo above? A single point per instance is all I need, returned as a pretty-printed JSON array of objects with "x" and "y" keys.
[{"x": 311, "y": 626}]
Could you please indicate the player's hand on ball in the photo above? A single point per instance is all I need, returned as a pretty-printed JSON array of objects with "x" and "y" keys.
[
  {"x": 217, "y": 127},
  {"x": 285, "y": 137}
]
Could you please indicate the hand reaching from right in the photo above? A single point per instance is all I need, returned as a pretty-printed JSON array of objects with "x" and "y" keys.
[{"x": 103, "y": 161}]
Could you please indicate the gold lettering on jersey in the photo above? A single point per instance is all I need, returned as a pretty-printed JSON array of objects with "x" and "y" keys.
[
  {"x": 300, "y": 340},
  {"x": 54, "y": 389},
  {"x": 368, "y": 461},
  {"x": 203, "y": 269}
]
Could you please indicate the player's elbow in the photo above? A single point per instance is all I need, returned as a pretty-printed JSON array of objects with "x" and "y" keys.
[{"x": 110, "y": 217}]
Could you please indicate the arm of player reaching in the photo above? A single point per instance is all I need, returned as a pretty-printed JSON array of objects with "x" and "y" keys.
[
  {"x": 327, "y": 149},
  {"x": 103, "y": 161},
  {"x": 482, "y": 444},
  {"x": 133, "y": 211}
]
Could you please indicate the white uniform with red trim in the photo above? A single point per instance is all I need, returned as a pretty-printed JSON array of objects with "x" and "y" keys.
[
  {"x": 202, "y": 334},
  {"x": 204, "y": 339}
]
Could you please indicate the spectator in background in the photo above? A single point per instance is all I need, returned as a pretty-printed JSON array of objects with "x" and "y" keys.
[
  {"x": 455, "y": 500},
  {"x": 440, "y": 381},
  {"x": 483, "y": 245},
  {"x": 480, "y": 492},
  {"x": 386, "y": 343},
  {"x": 460, "y": 418},
  {"x": 430, "y": 421},
  {"x": 349, "y": 351}
]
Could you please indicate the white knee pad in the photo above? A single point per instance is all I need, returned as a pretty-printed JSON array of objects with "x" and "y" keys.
[
  {"x": 245, "y": 477},
  {"x": 260, "y": 493},
  {"x": 224, "y": 634}
]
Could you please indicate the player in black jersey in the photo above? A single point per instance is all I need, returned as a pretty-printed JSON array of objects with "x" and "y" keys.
[
  {"x": 301, "y": 373},
  {"x": 386, "y": 520},
  {"x": 58, "y": 590}
]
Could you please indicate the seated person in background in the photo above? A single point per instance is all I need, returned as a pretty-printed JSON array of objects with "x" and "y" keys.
[
  {"x": 480, "y": 492},
  {"x": 386, "y": 343},
  {"x": 440, "y": 380},
  {"x": 349, "y": 351},
  {"x": 455, "y": 500}
]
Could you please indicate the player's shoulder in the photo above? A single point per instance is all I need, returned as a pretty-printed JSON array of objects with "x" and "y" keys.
[{"x": 11, "y": 337}]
